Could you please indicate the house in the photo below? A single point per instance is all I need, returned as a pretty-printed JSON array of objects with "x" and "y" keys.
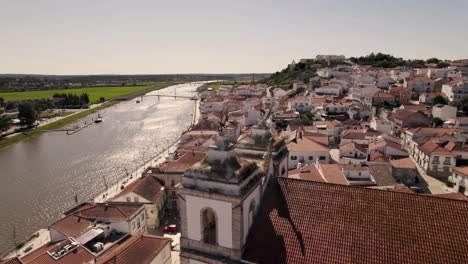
[
  {"x": 411, "y": 138},
  {"x": 359, "y": 111},
  {"x": 330, "y": 58},
  {"x": 336, "y": 108},
  {"x": 379, "y": 98},
  {"x": 402, "y": 95},
  {"x": 396, "y": 221},
  {"x": 298, "y": 85},
  {"x": 316, "y": 172},
  {"x": 444, "y": 112},
  {"x": 360, "y": 136},
  {"x": 285, "y": 115},
  {"x": 300, "y": 103},
  {"x": 330, "y": 128},
  {"x": 360, "y": 93},
  {"x": 388, "y": 148},
  {"x": 385, "y": 82},
  {"x": 428, "y": 98},
  {"x": 404, "y": 171},
  {"x": 455, "y": 90},
  {"x": 66, "y": 251},
  {"x": 450, "y": 72},
  {"x": 150, "y": 192},
  {"x": 171, "y": 172},
  {"x": 380, "y": 125},
  {"x": 353, "y": 153},
  {"x": 142, "y": 249},
  {"x": 363, "y": 79},
  {"x": 419, "y": 85},
  {"x": 358, "y": 175},
  {"x": 438, "y": 157},
  {"x": 400, "y": 73},
  {"x": 460, "y": 180},
  {"x": 334, "y": 90},
  {"x": 303, "y": 150},
  {"x": 406, "y": 119}
]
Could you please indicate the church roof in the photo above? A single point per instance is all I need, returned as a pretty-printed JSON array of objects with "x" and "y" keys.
[{"x": 310, "y": 222}]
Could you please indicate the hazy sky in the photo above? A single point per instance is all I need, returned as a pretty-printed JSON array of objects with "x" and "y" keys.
[{"x": 218, "y": 36}]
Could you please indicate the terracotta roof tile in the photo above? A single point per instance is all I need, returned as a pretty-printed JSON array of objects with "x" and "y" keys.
[
  {"x": 107, "y": 210},
  {"x": 72, "y": 225},
  {"x": 405, "y": 163},
  {"x": 147, "y": 187},
  {"x": 140, "y": 248},
  {"x": 40, "y": 256},
  {"x": 309, "y": 222}
]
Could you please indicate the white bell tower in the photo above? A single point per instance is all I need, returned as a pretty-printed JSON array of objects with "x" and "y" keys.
[{"x": 218, "y": 202}]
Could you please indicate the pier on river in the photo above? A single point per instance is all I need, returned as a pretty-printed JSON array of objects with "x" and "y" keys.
[{"x": 42, "y": 177}]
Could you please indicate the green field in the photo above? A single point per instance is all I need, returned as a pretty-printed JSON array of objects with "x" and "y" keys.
[{"x": 108, "y": 92}]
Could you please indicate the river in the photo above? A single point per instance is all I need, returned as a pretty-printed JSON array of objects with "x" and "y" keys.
[{"x": 40, "y": 178}]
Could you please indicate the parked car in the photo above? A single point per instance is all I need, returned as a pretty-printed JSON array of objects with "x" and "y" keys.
[{"x": 170, "y": 228}]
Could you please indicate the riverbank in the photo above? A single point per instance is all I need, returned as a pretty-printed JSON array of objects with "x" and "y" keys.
[
  {"x": 31, "y": 134},
  {"x": 163, "y": 149}
]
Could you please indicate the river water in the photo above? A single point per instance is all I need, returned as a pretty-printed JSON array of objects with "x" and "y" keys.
[{"x": 40, "y": 178}]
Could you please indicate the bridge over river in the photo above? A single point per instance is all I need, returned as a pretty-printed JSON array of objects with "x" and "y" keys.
[{"x": 40, "y": 178}]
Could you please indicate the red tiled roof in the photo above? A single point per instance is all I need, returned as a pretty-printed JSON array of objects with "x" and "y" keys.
[
  {"x": 108, "y": 210},
  {"x": 40, "y": 256},
  {"x": 333, "y": 174},
  {"x": 309, "y": 222},
  {"x": 72, "y": 225},
  {"x": 405, "y": 163},
  {"x": 305, "y": 144},
  {"x": 11, "y": 261},
  {"x": 308, "y": 173},
  {"x": 462, "y": 170},
  {"x": 456, "y": 196},
  {"x": 140, "y": 248},
  {"x": 148, "y": 187}
]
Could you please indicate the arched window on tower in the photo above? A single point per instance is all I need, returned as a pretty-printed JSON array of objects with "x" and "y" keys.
[
  {"x": 208, "y": 228},
  {"x": 252, "y": 209}
]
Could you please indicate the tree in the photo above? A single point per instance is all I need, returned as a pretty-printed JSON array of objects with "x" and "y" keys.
[
  {"x": 438, "y": 122},
  {"x": 433, "y": 60},
  {"x": 5, "y": 123},
  {"x": 2, "y": 101},
  {"x": 440, "y": 100},
  {"x": 102, "y": 99},
  {"x": 27, "y": 114},
  {"x": 442, "y": 64}
]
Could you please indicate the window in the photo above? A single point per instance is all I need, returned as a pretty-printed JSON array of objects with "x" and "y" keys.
[
  {"x": 172, "y": 183},
  {"x": 447, "y": 159},
  {"x": 173, "y": 193},
  {"x": 311, "y": 157},
  {"x": 293, "y": 157},
  {"x": 436, "y": 159},
  {"x": 133, "y": 224},
  {"x": 129, "y": 199},
  {"x": 135, "y": 199},
  {"x": 208, "y": 221},
  {"x": 322, "y": 158}
]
